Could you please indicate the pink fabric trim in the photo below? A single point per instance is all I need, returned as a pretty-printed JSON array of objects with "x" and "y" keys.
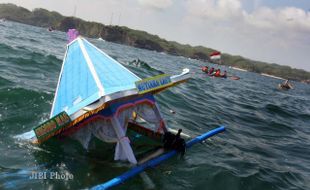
[
  {"x": 98, "y": 116},
  {"x": 125, "y": 106}
]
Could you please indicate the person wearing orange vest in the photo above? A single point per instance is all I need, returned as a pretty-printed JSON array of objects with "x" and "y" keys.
[
  {"x": 205, "y": 69},
  {"x": 217, "y": 73}
]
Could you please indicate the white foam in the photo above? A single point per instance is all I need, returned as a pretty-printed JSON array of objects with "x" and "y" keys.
[{"x": 25, "y": 136}]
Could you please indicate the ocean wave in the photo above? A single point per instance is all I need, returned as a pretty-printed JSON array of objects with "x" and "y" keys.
[
  {"x": 278, "y": 110},
  {"x": 143, "y": 68},
  {"x": 5, "y": 83},
  {"x": 21, "y": 106}
]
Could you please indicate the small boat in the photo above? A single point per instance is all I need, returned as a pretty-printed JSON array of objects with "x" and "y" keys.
[
  {"x": 50, "y": 29},
  {"x": 204, "y": 69},
  {"x": 285, "y": 86},
  {"x": 234, "y": 77},
  {"x": 96, "y": 96}
]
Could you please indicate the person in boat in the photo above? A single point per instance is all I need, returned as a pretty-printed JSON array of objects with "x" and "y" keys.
[
  {"x": 50, "y": 29},
  {"x": 205, "y": 69},
  {"x": 211, "y": 71},
  {"x": 217, "y": 73},
  {"x": 224, "y": 75},
  {"x": 286, "y": 85}
]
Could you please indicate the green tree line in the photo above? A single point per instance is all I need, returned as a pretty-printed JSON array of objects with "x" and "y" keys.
[{"x": 141, "y": 39}]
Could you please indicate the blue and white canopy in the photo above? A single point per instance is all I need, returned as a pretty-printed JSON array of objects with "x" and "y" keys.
[
  {"x": 89, "y": 79},
  {"x": 88, "y": 74}
]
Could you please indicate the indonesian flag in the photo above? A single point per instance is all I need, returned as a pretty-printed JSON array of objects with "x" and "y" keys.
[{"x": 215, "y": 55}]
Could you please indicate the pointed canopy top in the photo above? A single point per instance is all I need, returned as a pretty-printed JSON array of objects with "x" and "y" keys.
[
  {"x": 72, "y": 34},
  {"x": 87, "y": 74}
]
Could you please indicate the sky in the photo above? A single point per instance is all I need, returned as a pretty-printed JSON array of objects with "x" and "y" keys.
[{"x": 274, "y": 31}]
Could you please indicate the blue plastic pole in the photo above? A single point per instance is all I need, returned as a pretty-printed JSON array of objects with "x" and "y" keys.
[{"x": 152, "y": 163}]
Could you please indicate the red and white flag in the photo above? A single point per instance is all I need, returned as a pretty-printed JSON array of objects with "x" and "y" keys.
[{"x": 215, "y": 55}]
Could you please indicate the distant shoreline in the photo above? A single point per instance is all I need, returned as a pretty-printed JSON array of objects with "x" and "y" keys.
[{"x": 142, "y": 39}]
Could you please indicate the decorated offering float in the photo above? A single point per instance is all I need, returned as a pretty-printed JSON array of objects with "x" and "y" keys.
[{"x": 97, "y": 97}]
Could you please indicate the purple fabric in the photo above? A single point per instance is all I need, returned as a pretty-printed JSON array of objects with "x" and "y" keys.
[{"x": 72, "y": 34}]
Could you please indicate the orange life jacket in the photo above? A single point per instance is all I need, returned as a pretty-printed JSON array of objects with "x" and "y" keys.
[
  {"x": 217, "y": 73},
  {"x": 204, "y": 69}
]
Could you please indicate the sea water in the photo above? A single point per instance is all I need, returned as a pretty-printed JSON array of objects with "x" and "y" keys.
[{"x": 265, "y": 146}]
